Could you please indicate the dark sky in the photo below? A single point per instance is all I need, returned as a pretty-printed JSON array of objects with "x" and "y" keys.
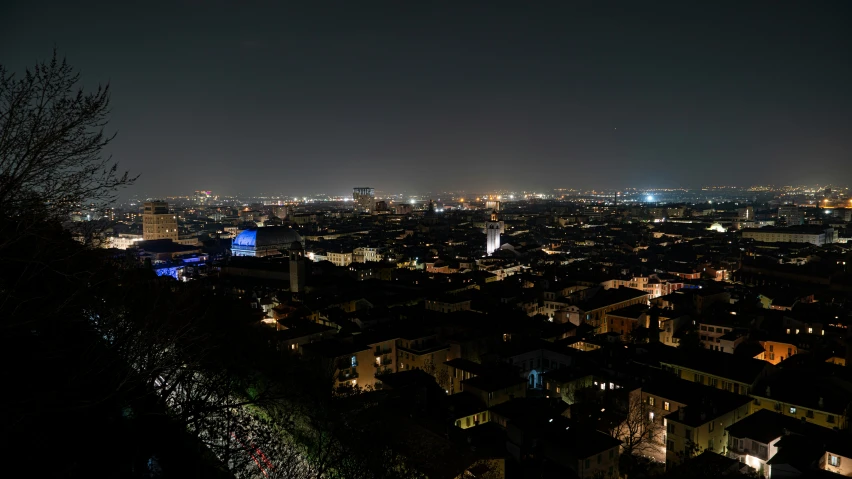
[{"x": 279, "y": 97}]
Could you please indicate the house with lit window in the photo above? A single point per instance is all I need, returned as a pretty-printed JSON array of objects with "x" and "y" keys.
[
  {"x": 352, "y": 363},
  {"x": 815, "y": 396},
  {"x": 663, "y": 396},
  {"x": 754, "y": 439},
  {"x": 838, "y": 458},
  {"x": 448, "y": 303},
  {"x": 593, "y": 310},
  {"x": 700, "y": 426},
  {"x": 775, "y": 351},
  {"x": 729, "y": 372},
  {"x": 534, "y": 357},
  {"x": 624, "y": 321},
  {"x": 423, "y": 350},
  {"x": 460, "y": 369}
]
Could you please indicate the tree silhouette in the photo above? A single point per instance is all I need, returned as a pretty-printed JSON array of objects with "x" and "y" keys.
[{"x": 51, "y": 141}]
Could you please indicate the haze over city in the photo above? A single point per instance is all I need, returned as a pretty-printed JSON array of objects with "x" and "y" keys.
[
  {"x": 426, "y": 240},
  {"x": 297, "y": 99}
]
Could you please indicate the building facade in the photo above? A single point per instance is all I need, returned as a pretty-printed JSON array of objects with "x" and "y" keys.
[
  {"x": 364, "y": 198},
  {"x": 493, "y": 229},
  {"x": 158, "y": 222},
  {"x": 816, "y": 237},
  {"x": 268, "y": 241}
]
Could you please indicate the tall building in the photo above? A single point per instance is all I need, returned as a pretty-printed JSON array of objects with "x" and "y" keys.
[
  {"x": 793, "y": 215},
  {"x": 365, "y": 198},
  {"x": 746, "y": 213},
  {"x": 158, "y": 222},
  {"x": 297, "y": 269},
  {"x": 493, "y": 229}
]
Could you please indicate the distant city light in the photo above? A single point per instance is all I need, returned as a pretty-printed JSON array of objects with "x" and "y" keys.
[{"x": 649, "y": 198}]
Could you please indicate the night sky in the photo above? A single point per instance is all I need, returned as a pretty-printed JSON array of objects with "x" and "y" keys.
[{"x": 324, "y": 96}]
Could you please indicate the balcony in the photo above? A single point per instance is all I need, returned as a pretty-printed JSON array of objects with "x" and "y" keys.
[
  {"x": 381, "y": 352},
  {"x": 347, "y": 375},
  {"x": 760, "y": 452}
]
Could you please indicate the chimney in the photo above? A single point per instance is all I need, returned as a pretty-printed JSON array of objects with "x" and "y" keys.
[
  {"x": 681, "y": 413},
  {"x": 821, "y": 403},
  {"x": 703, "y": 415},
  {"x": 768, "y": 392}
]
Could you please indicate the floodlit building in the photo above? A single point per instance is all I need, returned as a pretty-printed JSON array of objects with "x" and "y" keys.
[
  {"x": 272, "y": 240},
  {"x": 493, "y": 229},
  {"x": 158, "y": 222}
]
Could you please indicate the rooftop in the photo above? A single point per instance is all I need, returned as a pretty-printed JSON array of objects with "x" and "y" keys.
[{"x": 765, "y": 426}]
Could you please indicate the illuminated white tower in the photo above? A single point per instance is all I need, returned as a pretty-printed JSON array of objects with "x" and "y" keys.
[{"x": 493, "y": 229}]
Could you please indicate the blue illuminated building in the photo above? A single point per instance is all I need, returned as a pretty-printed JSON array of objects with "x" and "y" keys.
[{"x": 271, "y": 240}]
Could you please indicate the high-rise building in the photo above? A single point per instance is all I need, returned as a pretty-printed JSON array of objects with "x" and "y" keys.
[
  {"x": 792, "y": 214},
  {"x": 365, "y": 198},
  {"x": 493, "y": 229},
  {"x": 158, "y": 222},
  {"x": 203, "y": 197}
]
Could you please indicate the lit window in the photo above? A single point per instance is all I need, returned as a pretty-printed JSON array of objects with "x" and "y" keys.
[
  {"x": 834, "y": 460},
  {"x": 666, "y": 405},
  {"x": 792, "y": 410}
]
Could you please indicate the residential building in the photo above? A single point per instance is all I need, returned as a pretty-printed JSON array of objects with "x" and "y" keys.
[
  {"x": 448, "y": 303},
  {"x": 754, "y": 439},
  {"x": 701, "y": 427},
  {"x": 158, "y": 222},
  {"x": 364, "y": 198},
  {"x": 728, "y": 372},
  {"x": 817, "y": 236},
  {"x": 817, "y": 397},
  {"x": 124, "y": 241},
  {"x": 563, "y": 448},
  {"x": 593, "y": 310},
  {"x": 776, "y": 351},
  {"x": 340, "y": 258},
  {"x": 365, "y": 255}
]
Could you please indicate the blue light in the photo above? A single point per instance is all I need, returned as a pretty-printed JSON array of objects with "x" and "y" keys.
[
  {"x": 649, "y": 198},
  {"x": 169, "y": 271},
  {"x": 247, "y": 238}
]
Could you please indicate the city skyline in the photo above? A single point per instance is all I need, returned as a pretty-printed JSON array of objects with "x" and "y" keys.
[{"x": 301, "y": 98}]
